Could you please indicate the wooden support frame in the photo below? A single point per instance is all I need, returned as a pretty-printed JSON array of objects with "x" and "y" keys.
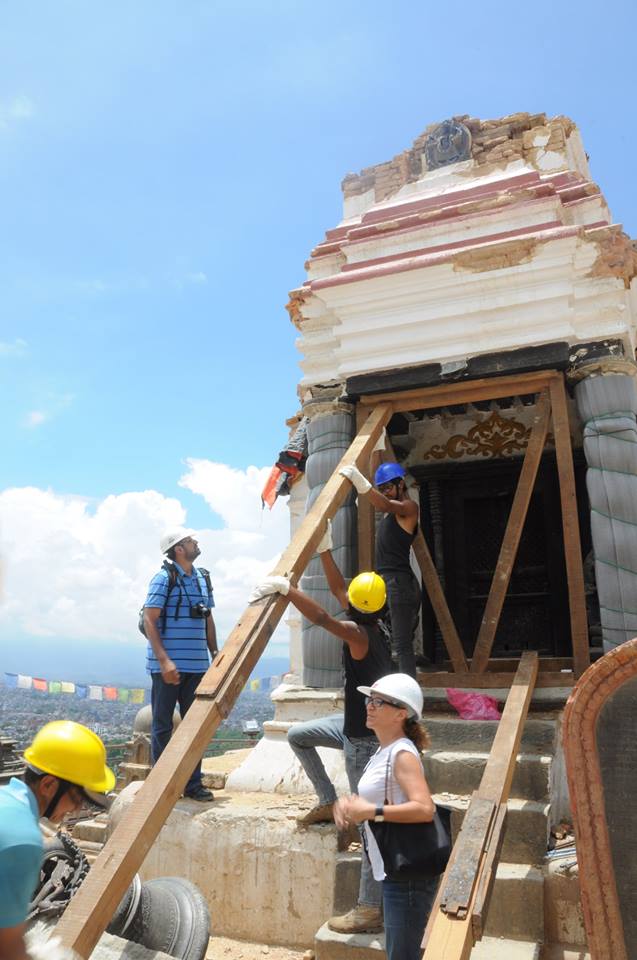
[
  {"x": 549, "y": 384},
  {"x": 90, "y": 911},
  {"x": 451, "y": 933}
]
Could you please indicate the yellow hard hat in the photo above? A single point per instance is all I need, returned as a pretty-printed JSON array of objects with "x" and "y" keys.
[
  {"x": 72, "y": 752},
  {"x": 367, "y": 593}
]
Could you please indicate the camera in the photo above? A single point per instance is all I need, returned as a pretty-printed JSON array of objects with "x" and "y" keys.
[{"x": 200, "y": 611}]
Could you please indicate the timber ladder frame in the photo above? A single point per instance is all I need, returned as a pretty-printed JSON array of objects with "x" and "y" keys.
[{"x": 455, "y": 921}]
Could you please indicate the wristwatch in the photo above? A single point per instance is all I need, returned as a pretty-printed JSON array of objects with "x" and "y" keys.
[{"x": 379, "y": 815}]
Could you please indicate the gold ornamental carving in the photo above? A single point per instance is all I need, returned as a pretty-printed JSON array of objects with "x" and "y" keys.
[{"x": 493, "y": 437}]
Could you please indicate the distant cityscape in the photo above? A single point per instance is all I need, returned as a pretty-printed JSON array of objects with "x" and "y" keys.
[{"x": 23, "y": 712}]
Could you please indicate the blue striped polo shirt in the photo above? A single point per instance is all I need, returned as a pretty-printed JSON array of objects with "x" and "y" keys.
[{"x": 183, "y": 636}]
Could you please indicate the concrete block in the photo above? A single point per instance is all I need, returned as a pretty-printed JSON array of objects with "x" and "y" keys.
[
  {"x": 329, "y": 945},
  {"x": 516, "y": 909},
  {"x": 346, "y": 881},
  {"x": 563, "y": 915},
  {"x": 526, "y": 833},
  {"x": 562, "y": 951},
  {"x": 452, "y": 733},
  {"x": 497, "y": 948},
  {"x": 265, "y": 879},
  {"x": 459, "y": 773},
  {"x": 94, "y": 830}
]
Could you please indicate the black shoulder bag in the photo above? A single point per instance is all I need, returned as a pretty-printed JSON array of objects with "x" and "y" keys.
[{"x": 413, "y": 851}]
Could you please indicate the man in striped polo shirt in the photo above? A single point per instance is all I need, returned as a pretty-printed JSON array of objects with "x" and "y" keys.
[{"x": 181, "y": 634}]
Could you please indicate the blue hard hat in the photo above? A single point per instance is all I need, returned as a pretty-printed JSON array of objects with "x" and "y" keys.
[{"x": 387, "y": 472}]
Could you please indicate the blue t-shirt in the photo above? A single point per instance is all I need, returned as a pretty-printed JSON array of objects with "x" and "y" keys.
[
  {"x": 183, "y": 636},
  {"x": 20, "y": 851}
]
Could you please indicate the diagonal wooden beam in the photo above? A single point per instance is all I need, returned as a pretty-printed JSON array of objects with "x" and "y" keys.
[
  {"x": 439, "y": 603},
  {"x": 91, "y": 909},
  {"x": 512, "y": 535},
  {"x": 570, "y": 527},
  {"x": 452, "y": 936}
]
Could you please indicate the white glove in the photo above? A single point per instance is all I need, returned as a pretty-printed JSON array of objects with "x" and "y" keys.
[
  {"x": 356, "y": 478},
  {"x": 268, "y": 586},
  {"x": 381, "y": 443},
  {"x": 325, "y": 543}
]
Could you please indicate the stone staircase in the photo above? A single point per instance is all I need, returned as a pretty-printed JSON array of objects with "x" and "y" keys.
[{"x": 454, "y": 766}]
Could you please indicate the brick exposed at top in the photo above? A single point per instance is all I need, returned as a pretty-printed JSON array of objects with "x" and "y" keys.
[{"x": 493, "y": 141}]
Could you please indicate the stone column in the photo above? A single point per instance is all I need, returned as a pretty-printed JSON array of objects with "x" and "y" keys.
[
  {"x": 329, "y": 434},
  {"x": 606, "y": 397},
  {"x": 296, "y": 505}
]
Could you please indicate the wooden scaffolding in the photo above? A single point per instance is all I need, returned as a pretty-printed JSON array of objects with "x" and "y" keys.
[{"x": 456, "y": 921}]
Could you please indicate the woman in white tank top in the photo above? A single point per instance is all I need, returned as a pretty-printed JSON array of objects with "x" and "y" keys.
[{"x": 395, "y": 773}]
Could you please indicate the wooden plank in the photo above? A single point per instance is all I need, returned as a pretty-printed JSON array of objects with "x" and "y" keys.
[
  {"x": 512, "y": 536},
  {"x": 488, "y": 872},
  {"x": 460, "y": 880},
  {"x": 570, "y": 526},
  {"x": 91, "y": 909},
  {"x": 496, "y": 779},
  {"x": 506, "y": 664},
  {"x": 491, "y": 681},
  {"x": 431, "y": 583},
  {"x": 491, "y": 388},
  {"x": 366, "y": 513},
  {"x": 449, "y": 937}
]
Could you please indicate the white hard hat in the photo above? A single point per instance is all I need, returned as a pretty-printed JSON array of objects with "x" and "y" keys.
[
  {"x": 173, "y": 536},
  {"x": 400, "y": 688}
]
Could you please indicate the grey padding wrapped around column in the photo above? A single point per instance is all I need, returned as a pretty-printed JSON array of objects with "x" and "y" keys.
[
  {"x": 607, "y": 405},
  {"x": 328, "y": 436}
]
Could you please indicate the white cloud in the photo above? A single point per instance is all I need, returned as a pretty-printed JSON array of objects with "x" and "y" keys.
[
  {"x": 14, "y": 349},
  {"x": 15, "y": 110},
  {"x": 36, "y": 417},
  {"x": 79, "y": 572},
  {"x": 56, "y": 404}
]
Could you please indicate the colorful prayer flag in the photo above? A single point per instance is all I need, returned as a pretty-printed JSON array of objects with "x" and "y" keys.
[
  {"x": 24, "y": 683},
  {"x": 81, "y": 690},
  {"x": 137, "y": 695},
  {"x": 110, "y": 693},
  {"x": 123, "y": 694},
  {"x": 95, "y": 692},
  {"x": 39, "y": 684},
  {"x": 11, "y": 679},
  {"x": 255, "y": 684},
  {"x": 68, "y": 686},
  {"x": 55, "y": 686}
]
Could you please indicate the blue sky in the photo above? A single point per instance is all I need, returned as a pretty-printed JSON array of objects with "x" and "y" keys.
[{"x": 165, "y": 169}]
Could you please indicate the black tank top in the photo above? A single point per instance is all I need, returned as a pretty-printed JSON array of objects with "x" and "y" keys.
[
  {"x": 393, "y": 545},
  {"x": 362, "y": 673}
]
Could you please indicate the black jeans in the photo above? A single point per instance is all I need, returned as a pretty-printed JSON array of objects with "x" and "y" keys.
[
  {"x": 164, "y": 699},
  {"x": 403, "y": 601}
]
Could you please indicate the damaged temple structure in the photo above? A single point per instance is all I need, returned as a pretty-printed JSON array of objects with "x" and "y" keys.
[{"x": 478, "y": 284}]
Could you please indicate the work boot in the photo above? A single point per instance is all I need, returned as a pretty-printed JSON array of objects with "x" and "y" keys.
[
  {"x": 321, "y": 813},
  {"x": 359, "y": 920}
]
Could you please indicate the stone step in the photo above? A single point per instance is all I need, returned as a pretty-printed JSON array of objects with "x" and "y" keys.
[
  {"x": 526, "y": 833},
  {"x": 458, "y": 772},
  {"x": 452, "y": 733},
  {"x": 564, "y": 951},
  {"x": 516, "y": 909},
  {"x": 93, "y": 830},
  {"x": 329, "y": 945},
  {"x": 498, "y": 948}
]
